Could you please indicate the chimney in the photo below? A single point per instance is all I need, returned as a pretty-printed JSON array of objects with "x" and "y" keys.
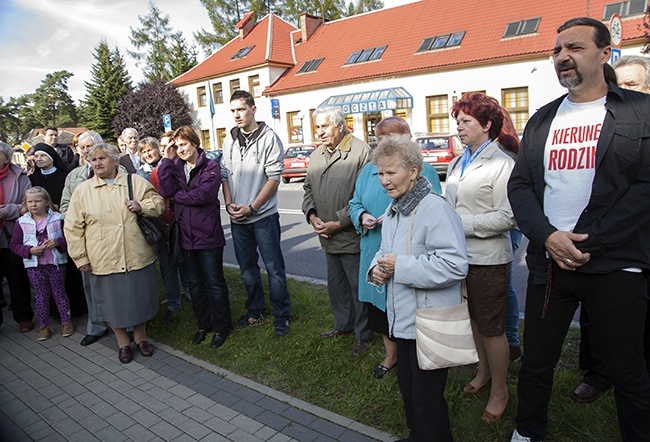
[
  {"x": 308, "y": 25},
  {"x": 246, "y": 24}
]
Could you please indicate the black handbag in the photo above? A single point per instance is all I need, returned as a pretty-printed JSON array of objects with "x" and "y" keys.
[
  {"x": 175, "y": 252},
  {"x": 151, "y": 227}
]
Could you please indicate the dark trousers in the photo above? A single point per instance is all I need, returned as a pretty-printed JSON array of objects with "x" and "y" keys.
[
  {"x": 208, "y": 288},
  {"x": 591, "y": 360},
  {"x": 427, "y": 415},
  {"x": 616, "y": 304},
  {"x": 19, "y": 288}
]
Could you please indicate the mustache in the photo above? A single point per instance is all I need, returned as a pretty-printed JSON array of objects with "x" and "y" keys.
[{"x": 567, "y": 64}]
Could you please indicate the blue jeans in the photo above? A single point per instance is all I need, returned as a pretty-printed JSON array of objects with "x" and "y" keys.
[
  {"x": 512, "y": 306},
  {"x": 169, "y": 275},
  {"x": 262, "y": 235},
  {"x": 208, "y": 288}
]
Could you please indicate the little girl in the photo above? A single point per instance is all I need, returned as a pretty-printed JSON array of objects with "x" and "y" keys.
[{"x": 38, "y": 239}]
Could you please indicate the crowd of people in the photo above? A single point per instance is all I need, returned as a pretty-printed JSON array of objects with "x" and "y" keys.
[{"x": 394, "y": 242}]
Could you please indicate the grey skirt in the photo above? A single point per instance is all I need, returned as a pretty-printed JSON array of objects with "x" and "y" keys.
[{"x": 124, "y": 299}]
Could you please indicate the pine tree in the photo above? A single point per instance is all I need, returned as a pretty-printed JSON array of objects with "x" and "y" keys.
[
  {"x": 182, "y": 57},
  {"x": 110, "y": 82},
  {"x": 51, "y": 102}
]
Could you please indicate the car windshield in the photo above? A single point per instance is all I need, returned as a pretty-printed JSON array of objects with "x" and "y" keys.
[
  {"x": 296, "y": 152},
  {"x": 434, "y": 143}
]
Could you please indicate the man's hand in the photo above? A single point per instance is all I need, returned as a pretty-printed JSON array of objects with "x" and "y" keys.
[
  {"x": 324, "y": 229},
  {"x": 560, "y": 246},
  {"x": 238, "y": 212}
]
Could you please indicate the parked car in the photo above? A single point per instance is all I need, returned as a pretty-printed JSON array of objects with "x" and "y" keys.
[
  {"x": 296, "y": 160},
  {"x": 439, "y": 149}
]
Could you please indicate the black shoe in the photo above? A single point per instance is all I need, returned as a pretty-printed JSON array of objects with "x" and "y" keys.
[
  {"x": 218, "y": 340},
  {"x": 281, "y": 327},
  {"x": 169, "y": 317},
  {"x": 90, "y": 339},
  {"x": 200, "y": 336}
]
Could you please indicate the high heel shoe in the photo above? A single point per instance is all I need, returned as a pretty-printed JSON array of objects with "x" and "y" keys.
[
  {"x": 469, "y": 389},
  {"x": 490, "y": 418}
]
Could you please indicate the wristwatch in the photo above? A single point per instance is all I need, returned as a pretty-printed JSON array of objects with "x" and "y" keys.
[{"x": 253, "y": 211}]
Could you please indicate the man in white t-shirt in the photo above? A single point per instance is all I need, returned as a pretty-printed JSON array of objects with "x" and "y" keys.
[{"x": 580, "y": 192}]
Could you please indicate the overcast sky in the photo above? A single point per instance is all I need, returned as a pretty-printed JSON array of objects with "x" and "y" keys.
[{"x": 38, "y": 37}]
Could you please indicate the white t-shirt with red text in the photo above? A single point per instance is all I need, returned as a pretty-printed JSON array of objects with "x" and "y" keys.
[{"x": 569, "y": 161}]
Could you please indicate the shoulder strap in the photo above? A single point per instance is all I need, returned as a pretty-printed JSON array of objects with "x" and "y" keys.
[{"x": 130, "y": 185}]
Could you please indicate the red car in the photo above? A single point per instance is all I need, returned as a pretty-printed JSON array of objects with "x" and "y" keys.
[
  {"x": 296, "y": 160},
  {"x": 439, "y": 149}
]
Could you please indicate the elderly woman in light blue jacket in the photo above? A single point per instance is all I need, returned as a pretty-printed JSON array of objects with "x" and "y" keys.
[{"x": 422, "y": 260}]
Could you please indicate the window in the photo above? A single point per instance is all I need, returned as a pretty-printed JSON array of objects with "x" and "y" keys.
[
  {"x": 294, "y": 127},
  {"x": 366, "y": 55},
  {"x": 515, "y": 101},
  {"x": 221, "y": 137},
  {"x": 310, "y": 65},
  {"x": 438, "y": 114},
  {"x": 441, "y": 41},
  {"x": 201, "y": 96},
  {"x": 254, "y": 85},
  {"x": 205, "y": 139},
  {"x": 217, "y": 93},
  {"x": 522, "y": 27},
  {"x": 242, "y": 52},
  {"x": 234, "y": 86},
  {"x": 625, "y": 9}
]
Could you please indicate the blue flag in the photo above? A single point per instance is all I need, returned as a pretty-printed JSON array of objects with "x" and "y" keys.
[{"x": 211, "y": 101}]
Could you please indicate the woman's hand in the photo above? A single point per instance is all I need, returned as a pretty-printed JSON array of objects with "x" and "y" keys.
[
  {"x": 368, "y": 221},
  {"x": 387, "y": 263},
  {"x": 170, "y": 150},
  {"x": 86, "y": 268},
  {"x": 379, "y": 275},
  {"x": 133, "y": 206}
]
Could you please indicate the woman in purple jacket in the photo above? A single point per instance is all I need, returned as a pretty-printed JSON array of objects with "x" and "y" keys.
[{"x": 193, "y": 181}]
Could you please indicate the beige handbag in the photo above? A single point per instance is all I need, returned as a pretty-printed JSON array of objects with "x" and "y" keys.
[{"x": 443, "y": 336}]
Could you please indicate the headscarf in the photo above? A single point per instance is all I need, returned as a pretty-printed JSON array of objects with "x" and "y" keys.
[{"x": 50, "y": 152}]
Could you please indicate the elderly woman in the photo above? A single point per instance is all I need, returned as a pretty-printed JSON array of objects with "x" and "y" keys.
[
  {"x": 476, "y": 188},
  {"x": 193, "y": 181},
  {"x": 105, "y": 241},
  {"x": 13, "y": 183},
  {"x": 366, "y": 209},
  {"x": 422, "y": 261},
  {"x": 149, "y": 149}
]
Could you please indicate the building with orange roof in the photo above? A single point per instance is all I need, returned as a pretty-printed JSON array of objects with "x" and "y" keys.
[{"x": 412, "y": 61}]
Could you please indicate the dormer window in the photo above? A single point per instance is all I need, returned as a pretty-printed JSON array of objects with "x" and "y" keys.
[
  {"x": 441, "y": 41},
  {"x": 521, "y": 27},
  {"x": 242, "y": 52},
  {"x": 366, "y": 55}
]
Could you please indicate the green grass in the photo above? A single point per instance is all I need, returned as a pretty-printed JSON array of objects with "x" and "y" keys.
[{"x": 323, "y": 373}]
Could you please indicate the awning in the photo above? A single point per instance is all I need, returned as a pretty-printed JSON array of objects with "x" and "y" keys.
[{"x": 373, "y": 101}]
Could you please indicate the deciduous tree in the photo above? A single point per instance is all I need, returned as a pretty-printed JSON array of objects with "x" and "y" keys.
[
  {"x": 144, "y": 107},
  {"x": 51, "y": 103}
]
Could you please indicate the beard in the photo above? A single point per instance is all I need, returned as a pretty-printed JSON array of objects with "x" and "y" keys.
[{"x": 570, "y": 81}]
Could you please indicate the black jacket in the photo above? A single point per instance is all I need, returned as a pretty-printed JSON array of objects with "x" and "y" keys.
[{"x": 617, "y": 215}]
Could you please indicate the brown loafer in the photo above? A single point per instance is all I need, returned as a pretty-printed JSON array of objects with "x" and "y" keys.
[
  {"x": 145, "y": 348},
  {"x": 124, "y": 355},
  {"x": 334, "y": 333},
  {"x": 585, "y": 393},
  {"x": 360, "y": 346}
]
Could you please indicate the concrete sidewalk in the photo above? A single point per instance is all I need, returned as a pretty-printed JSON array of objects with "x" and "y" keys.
[{"x": 57, "y": 390}]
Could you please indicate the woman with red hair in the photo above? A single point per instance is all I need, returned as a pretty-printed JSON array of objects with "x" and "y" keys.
[{"x": 477, "y": 189}]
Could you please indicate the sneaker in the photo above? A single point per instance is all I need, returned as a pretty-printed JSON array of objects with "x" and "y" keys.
[
  {"x": 45, "y": 333},
  {"x": 281, "y": 327},
  {"x": 246, "y": 321},
  {"x": 516, "y": 437},
  {"x": 26, "y": 326},
  {"x": 67, "y": 329}
]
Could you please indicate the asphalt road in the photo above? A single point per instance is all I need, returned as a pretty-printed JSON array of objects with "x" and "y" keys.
[{"x": 302, "y": 252}]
